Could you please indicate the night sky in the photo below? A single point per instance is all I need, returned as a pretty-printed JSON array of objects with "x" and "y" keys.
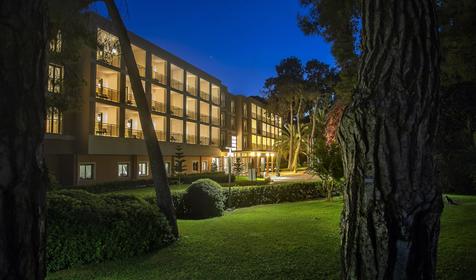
[{"x": 237, "y": 41}]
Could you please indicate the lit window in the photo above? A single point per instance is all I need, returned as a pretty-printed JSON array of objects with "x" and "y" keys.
[
  {"x": 108, "y": 48},
  {"x": 122, "y": 169},
  {"x": 55, "y": 78},
  {"x": 176, "y": 77},
  {"x": 143, "y": 169},
  {"x": 56, "y": 43},
  {"x": 205, "y": 165},
  {"x": 54, "y": 121},
  {"x": 86, "y": 171}
]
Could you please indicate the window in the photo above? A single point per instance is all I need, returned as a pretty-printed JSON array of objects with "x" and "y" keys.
[
  {"x": 215, "y": 94},
  {"x": 176, "y": 104},
  {"x": 245, "y": 110},
  {"x": 191, "y": 84},
  {"x": 204, "y": 134},
  {"x": 86, "y": 171},
  {"x": 191, "y": 108},
  {"x": 107, "y": 119},
  {"x": 54, "y": 121},
  {"x": 223, "y": 99},
  {"x": 177, "y": 74},
  {"x": 195, "y": 165},
  {"x": 191, "y": 132},
  {"x": 139, "y": 55},
  {"x": 205, "y": 165},
  {"x": 108, "y": 48},
  {"x": 245, "y": 142},
  {"x": 143, "y": 169},
  {"x": 204, "y": 89},
  {"x": 158, "y": 99},
  {"x": 122, "y": 169},
  {"x": 232, "y": 106},
  {"x": 176, "y": 130},
  {"x": 56, "y": 43},
  {"x": 159, "y": 126},
  {"x": 223, "y": 119},
  {"x": 55, "y": 78},
  {"x": 159, "y": 69},
  {"x": 107, "y": 84},
  {"x": 232, "y": 120},
  {"x": 167, "y": 167}
]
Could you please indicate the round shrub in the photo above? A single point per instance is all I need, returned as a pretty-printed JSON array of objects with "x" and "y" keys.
[{"x": 203, "y": 199}]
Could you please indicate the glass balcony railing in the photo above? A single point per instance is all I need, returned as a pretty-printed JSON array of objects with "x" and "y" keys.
[
  {"x": 108, "y": 58},
  {"x": 158, "y": 106},
  {"x": 134, "y": 133},
  {"x": 191, "y": 139},
  {"x": 176, "y": 111},
  {"x": 176, "y": 137},
  {"x": 216, "y": 121},
  {"x": 204, "y": 95},
  {"x": 204, "y": 118},
  {"x": 192, "y": 115},
  {"x": 176, "y": 84},
  {"x": 106, "y": 129},
  {"x": 192, "y": 90},
  {"x": 160, "y": 135},
  {"x": 107, "y": 93},
  {"x": 253, "y": 115},
  {"x": 204, "y": 140},
  {"x": 216, "y": 99},
  {"x": 160, "y": 77},
  {"x": 215, "y": 141}
]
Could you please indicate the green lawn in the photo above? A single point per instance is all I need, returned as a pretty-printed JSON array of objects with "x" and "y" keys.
[{"x": 285, "y": 241}]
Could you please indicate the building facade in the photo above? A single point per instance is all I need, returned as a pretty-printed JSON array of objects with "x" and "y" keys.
[{"x": 103, "y": 141}]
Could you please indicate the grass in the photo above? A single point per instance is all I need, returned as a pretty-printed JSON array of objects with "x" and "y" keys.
[{"x": 284, "y": 241}]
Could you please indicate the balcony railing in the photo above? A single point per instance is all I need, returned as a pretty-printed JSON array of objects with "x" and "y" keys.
[
  {"x": 176, "y": 84},
  {"x": 253, "y": 130},
  {"x": 160, "y": 77},
  {"x": 176, "y": 137},
  {"x": 158, "y": 106},
  {"x": 253, "y": 115},
  {"x": 204, "y": 140},
  {"x": 192, "y": 90},
  {"x": 160, "y": 135},
  {"x": 108, "y": 58},
  {"x": 216, "y": 99},
  {"x": 107, "y": 93},
  {"x": 215, "y": 141},
  {"x": 130, "y": 100},
  {"x": 176, "y": 111},
  {"x": 106, "y": 129},
  {"x": 191, "y": 139},
  {"x": 134, "y": 133},
  {"x": 192, "y": 115},
  {"x": 205, "y": 118},
  {"x": 204, "y": 95},
  {"x": 216, "y": 121}
]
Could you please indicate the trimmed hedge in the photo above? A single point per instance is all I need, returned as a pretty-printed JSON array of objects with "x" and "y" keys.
[
  {"x": 87, "y": 228},
  {"x": 203, "y": 199},
  {"x": 219, "y": 177},
  {"x": 255, "y": 195}
]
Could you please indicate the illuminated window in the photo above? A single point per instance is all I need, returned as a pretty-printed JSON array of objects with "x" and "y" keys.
[
  {"x": 86, "y": 171},
  {"x": 176, "y": 77},
  {"x": 191, "y": 84},
  {"x": 204, "y": 89},
  {"x": 245, "y": 110},
  {"x": 55, "y": 78},
  {"x": 107, "y": 84},
  {"x": 215, "y": 115},
  {"x": 204, "y": 134},
  {"x": 139, "y": 55},
  {"x": 122, "y": 169},
  {"x": 191, "y": 130},
  {"x": 191, "y": 108},
  {"x": 158, "y": 99},
  {"x": 143, "y": 169},
  {"x": 204, "y": 165},
  {"x": 54, "y": 121},
  {"x": 130, "y": 99},
  {"x": 232, "y": 106},
  {"x": 215, "y": 94},
  {"x": 176, "y": 130},
  {"x": 215, "y": 136},
  {"x": 159, "y": 127},
  {"x": 204, "y": 112},
  {"x": 159, "y": 69},
  {"x": 107, "y": 119},
  {"x": 176, "y": 104},
  {"x": 108, "y": 48},
  {"x": 56, "y": 44},
  {"x": 133, "y": 126},
  {"x": 195, "y": 165}
]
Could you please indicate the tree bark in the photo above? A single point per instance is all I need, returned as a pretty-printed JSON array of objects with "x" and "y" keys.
[
  {"x": 298, "y": 144},
  {"x": 159, "y": 174},
  {"x": 391, "y": 218},
  {"x": 23, "y": 180},
  {"x": 291, "y": 134}
]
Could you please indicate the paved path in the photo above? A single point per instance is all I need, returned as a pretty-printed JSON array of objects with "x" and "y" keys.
[{"x": 289, "y": 176}]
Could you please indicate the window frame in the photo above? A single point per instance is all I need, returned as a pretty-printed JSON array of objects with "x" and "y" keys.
[
  {"x": 127, "y": 171},
  {"x": 139, "y": 169},
  {"x": 93, "y": 171}
]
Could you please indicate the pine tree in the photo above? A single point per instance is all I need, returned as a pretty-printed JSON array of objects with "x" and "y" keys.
[
  {"x": 179, "y": 167},
  {"x": 238, "y": 166}
]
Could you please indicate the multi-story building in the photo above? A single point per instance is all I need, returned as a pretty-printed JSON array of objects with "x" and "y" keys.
[{"x": 103, "y": 140}]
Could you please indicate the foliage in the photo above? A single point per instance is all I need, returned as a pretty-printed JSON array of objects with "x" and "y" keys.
[
  {"x": 238, "y": 166},
  {"x": 87, "y": 228},
  {"x": 203, "y": 199},
  {"x": 179, "y": 167}
]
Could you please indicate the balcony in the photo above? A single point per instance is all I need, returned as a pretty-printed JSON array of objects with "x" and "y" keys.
[
  {"x": 107, "y": 93},
  {"x": 134, "y": 133},
  {"x": 160, "y": 135},
  {"x": 215, "y": 141},
  {"x": 158, "y": 106},
  {"x": 253, "y": 115},
  {"x": 253, "y": 130},
  {"x": 176, "y": 84},
  {"x": 191, "y": 115},
  {"x": 130, "y": 100},
  {"x": 191, "y": 139},
  {"x": 204, "y": 140},
  {"x": 192, "y": 90},
  {"x": 216, "y": 99},
  {"x": 204, "y": 118},
  {"x": 176, "y": 137},
  {"x": 216, "y": 121},
  {"x": 108, "y": 58},
  {"x": 141, "y": 69},
  {"x": 160, "y": 77},
  {"x": 106, "y": 129},
  {"x": 176, "y": 111}
]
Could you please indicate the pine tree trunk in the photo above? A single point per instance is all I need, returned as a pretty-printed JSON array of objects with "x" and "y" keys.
[
  {"x": 298, "y": 144},
  {"x": 391, "y": 218},
  {"x": 291, "y": 136},
  {"x": 23, "y": 179},
  {"x": 157, "y": 164}
]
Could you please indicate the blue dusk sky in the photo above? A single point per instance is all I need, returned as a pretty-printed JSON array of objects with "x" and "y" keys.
[{"x": 237, "y": 41}]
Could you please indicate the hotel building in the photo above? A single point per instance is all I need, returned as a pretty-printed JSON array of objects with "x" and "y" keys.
[{"x": 103, "y": 141}]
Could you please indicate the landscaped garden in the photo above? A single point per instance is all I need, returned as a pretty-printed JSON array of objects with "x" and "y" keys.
[{"x": 297, "y": 240}]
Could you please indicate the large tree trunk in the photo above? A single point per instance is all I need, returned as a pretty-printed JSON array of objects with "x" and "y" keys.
[
  {"x": 298, "y": 144},
  {"x": 291, "y": 134},
  {"x": 23, "y": 179},
  {"x": 159, "y": 174},
  {"x": 391, "y": 217}
]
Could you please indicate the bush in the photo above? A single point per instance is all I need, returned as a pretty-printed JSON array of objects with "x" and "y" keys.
[
  {"x": 203, "y": 199},
  {"x": 220, "y": 177},
  {"x": 87, "y": 228}
]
